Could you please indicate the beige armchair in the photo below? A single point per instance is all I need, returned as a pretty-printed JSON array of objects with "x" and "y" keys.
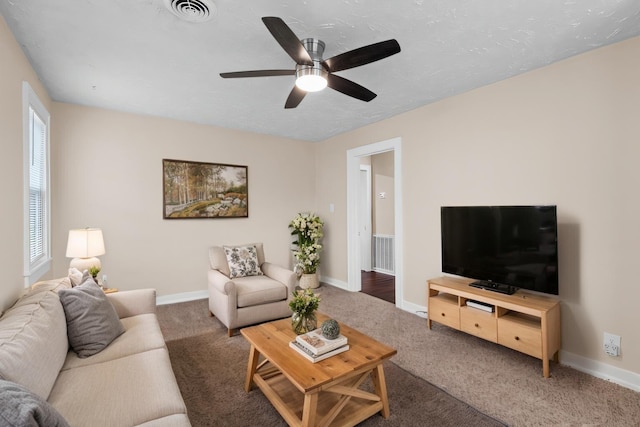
[{"x": 248, "y": 300}]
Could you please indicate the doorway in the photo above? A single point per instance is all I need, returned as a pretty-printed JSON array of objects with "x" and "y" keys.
[
  {"x": 354, "y": 249},
  {"x": 379, "y": 285}
]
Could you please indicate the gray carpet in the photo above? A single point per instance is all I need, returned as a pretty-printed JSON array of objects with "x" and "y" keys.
[
  {"x": 210, "y": 368},
  {"x": 434, "y": 372}
]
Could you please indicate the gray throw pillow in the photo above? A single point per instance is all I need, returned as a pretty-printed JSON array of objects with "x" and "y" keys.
[
  {"x": 92, "y": 322},
  {"x": 20, "y": 407}
]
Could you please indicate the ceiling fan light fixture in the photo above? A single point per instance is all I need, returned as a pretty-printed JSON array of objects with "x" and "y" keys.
[{"x": 311, "y": 79}]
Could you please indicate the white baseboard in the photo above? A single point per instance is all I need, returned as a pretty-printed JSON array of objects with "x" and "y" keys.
[
  {"x": 183, "y": 297},
  {"x": 602, "y": 370},
  {"x": 418, "y": 310},
  {"x": 595, "y": 368},
  {"x": 335, "y": 282}
]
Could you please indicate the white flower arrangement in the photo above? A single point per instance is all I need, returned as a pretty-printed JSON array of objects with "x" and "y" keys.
[{"x": 307, "y": 227}]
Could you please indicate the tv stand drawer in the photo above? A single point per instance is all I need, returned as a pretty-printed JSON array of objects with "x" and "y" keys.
[
  {"x": 520, "y": 334},
  {"x": 445, "y": 310},
  {"x": 479, "y": 323}
]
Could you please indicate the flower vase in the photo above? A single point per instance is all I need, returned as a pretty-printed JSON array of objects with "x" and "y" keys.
[
  {"x": 301, "y": 323},
  {"x": 309, "y": 281}
]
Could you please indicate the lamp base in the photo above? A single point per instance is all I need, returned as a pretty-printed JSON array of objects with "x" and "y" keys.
[{"x": 83, "y": 264}]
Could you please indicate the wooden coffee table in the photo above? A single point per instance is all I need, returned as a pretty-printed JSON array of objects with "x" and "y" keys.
[{"x": 323, "y": 393}]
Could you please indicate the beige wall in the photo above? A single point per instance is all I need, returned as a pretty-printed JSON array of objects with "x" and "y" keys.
[
  {"x": 109, "y": 175},
  {"x": 14, "y": 70},
  {"x": 566, "y": 134}
]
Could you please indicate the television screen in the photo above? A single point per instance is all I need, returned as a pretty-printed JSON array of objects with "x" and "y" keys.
[{"x": 502, "y": 247}]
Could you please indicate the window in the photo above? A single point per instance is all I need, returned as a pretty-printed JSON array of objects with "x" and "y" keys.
[{"x": 37, "y": 250}]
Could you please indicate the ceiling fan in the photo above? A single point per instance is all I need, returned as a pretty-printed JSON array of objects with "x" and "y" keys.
[{"x": 312, "y": 72}]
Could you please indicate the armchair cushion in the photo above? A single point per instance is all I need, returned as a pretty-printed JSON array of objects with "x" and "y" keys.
[
  {"x": 243, "y": 261},
  {"x": 259, "y": 290}
]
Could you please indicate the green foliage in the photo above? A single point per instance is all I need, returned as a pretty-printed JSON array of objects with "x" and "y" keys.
[
  {"x": 304, "y": 302},
  {"x": 93, "y": 271}
]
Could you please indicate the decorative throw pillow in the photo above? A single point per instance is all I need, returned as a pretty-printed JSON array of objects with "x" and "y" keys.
[
  {"x": 243, "y": 261},
  {"x": 21, "y": 407},
  {"x": 92, "y": 322},
  {"x": 75, "y": 276}
]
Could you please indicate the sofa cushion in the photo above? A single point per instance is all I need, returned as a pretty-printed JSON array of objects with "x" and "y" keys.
[
  {"x": 92, "y": 322},
  {"x": 142, "y": 333},
  {"x": 51, "y": 285},
  {"x": 256, "y": 290},
  {"x": 127, "y": 391},
  {"x": 218, "y": 258},
  {"x": 33, "y": 340},
  {"x": 243, "y": 261},
  {"x": 20, "y": 407}
]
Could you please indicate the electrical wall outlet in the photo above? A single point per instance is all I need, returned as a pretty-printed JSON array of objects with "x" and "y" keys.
[{"x": 612, "y": 344}]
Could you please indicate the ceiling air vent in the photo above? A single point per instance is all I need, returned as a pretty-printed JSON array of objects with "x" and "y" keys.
[{"x": 192, "y": 10}]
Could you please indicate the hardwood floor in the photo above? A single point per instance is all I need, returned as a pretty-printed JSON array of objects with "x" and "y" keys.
[{"x": 379, "y": 285}]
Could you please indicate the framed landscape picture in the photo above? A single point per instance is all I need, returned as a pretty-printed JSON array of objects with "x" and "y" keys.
[{"x": 204, "y": 190}]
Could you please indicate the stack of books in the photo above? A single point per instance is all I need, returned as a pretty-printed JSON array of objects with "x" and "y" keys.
[{"x": 315, "y": 347}]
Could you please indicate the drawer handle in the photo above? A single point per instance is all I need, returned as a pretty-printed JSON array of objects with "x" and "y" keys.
[
  {"x": 517, "y": 338},
  {"x": 477, "y": 326},
  {"x": 442, "y": 314}
]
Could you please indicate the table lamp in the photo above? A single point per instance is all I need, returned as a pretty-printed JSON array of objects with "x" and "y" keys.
[{"x": 84, "y": 245}]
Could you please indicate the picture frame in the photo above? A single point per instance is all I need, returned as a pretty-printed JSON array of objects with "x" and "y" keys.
[{"x": 196, "y": 190}]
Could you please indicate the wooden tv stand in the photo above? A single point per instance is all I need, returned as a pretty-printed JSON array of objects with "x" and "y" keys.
[{"x": 525, "y": 321}]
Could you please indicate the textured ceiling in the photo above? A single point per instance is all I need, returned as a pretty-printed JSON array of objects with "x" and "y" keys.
[{"x": 136, "y": 56}]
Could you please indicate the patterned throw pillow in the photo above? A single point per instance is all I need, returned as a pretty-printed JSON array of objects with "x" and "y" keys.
[{"x": 243, "y": 261}]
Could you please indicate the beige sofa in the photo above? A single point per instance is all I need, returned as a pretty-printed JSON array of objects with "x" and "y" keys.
[{"x": 128, "y": 383}]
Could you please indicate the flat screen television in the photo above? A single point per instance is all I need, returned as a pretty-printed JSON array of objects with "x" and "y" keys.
[{"x": 502, "y": 247}]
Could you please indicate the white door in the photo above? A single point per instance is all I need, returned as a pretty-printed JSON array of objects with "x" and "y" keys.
[{"x": 364, "y": 217}]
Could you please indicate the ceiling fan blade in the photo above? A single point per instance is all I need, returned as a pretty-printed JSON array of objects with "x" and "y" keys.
[
  {"x": 363, "y": 55},
  {"x": 257, "y": 73},
  {"x": 295, "y": 97},
  {"x": 349, "y": 88},
  {"x": 287, "y": 39}
]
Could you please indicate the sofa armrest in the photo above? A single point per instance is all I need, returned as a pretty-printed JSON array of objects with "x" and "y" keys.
[
  {"x": 221, "y": 283},
  {"x": 133, "y": 303},
  {"x": 282, "y": 275}
]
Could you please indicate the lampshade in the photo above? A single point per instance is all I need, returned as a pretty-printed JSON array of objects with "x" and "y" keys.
[{"x": 84, "y": 245}]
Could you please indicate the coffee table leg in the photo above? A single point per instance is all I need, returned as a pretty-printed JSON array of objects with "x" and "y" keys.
[
  {"x": 377, "y": 375},
  {"x": 309, "y": 410},
  {"x": 254, "y": 355}
]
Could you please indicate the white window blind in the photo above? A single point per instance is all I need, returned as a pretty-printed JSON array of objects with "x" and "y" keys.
[
  {"x": 37, "y": 187},
  {"x": 36, "y": 163}
]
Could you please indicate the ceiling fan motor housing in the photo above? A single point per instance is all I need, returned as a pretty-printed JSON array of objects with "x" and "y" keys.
[{"x": 315, "y": 73}]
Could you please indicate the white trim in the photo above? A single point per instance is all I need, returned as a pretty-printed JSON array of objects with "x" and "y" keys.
[
  {"x": 182, "y": 297},
  {"x": 33, "y": 272},
  {"x": 418, "y": 310},
  {"x": 601, "y": 370},
  {"x": 367, "y": 222},
  {"x": 354, "y": 281},
  {"x": 335, "y": 282}
]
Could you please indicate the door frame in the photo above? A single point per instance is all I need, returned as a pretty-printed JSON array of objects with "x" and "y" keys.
[
  {"x": 354, "y": 279},
  {"x": 365, "y": 222}
]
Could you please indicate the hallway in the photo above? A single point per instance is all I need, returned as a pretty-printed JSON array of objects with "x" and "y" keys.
[{"x": 379, "y": 285}]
